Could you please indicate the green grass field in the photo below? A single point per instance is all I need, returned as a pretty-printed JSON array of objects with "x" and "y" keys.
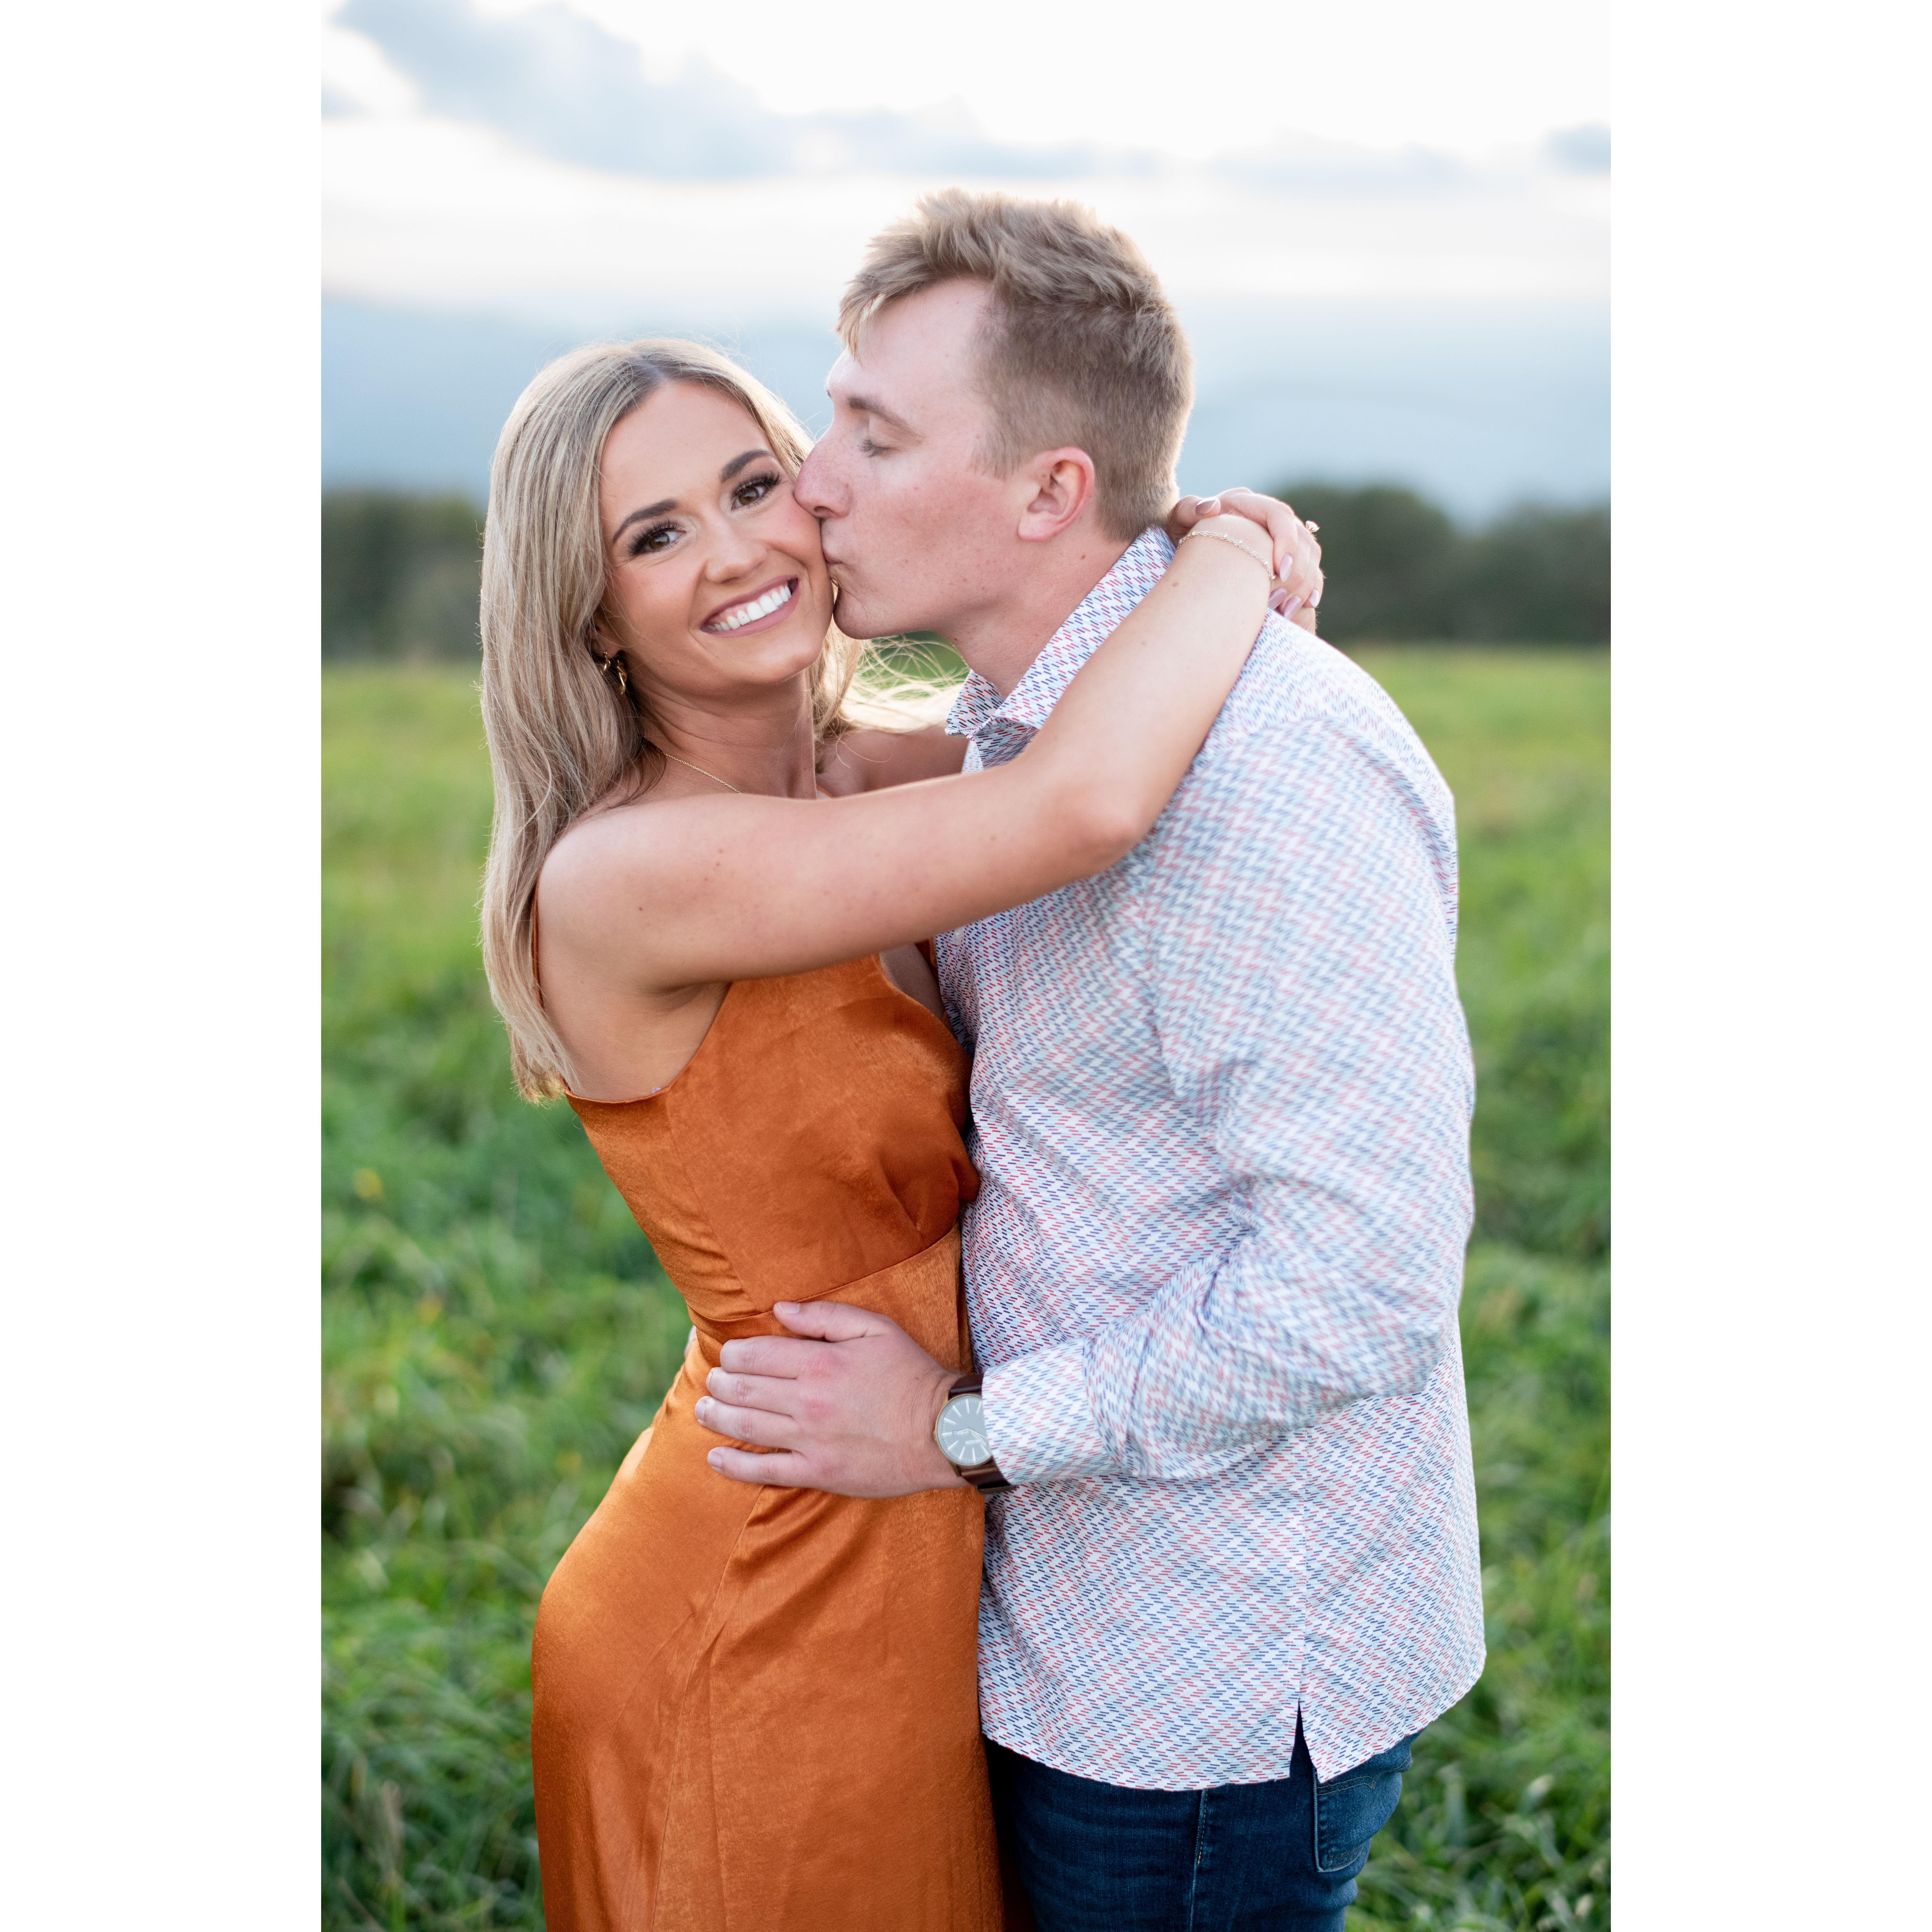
[{"x": 495, "y": 1331}]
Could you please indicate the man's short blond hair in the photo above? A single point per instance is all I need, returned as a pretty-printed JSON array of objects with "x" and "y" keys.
[{"x": 1081, "y": 349}]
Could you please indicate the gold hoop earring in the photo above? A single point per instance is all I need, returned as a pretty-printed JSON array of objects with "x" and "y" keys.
[{"x": 615, "y": 661}]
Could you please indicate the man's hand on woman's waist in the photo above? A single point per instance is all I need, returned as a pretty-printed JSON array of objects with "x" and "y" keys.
[{"x": 846, "y": 1403}]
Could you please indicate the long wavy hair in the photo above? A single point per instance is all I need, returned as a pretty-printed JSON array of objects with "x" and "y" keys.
[{"x": 562, "y": 734}]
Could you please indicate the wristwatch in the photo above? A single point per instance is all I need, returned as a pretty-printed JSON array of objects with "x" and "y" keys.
[{"x": 961, "y": 1433}]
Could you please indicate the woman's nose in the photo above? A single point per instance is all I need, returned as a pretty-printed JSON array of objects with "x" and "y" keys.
[{"x": 735, "y": 552}]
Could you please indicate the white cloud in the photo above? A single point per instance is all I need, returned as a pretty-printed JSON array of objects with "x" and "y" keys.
[
  {"x": 357, "y": 75},
  {"x": 561, "y": 85},
  {"x": 1467, "y": 78},
  {"x": 424, "y": 212}
]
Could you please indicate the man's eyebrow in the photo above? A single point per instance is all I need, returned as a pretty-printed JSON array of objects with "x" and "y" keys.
[{"x": 866, "y": 406}]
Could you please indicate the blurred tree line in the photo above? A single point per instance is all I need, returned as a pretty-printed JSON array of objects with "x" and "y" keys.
[
  {"x": 399, "y": 573},
  {"x": 1399, "y": 571}
]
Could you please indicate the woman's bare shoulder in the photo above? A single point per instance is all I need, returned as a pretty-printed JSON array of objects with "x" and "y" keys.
[{"x": 618, "y": 844}]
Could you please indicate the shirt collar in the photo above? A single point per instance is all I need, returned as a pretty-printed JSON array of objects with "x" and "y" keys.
[{"x": 1135, "y": 572}]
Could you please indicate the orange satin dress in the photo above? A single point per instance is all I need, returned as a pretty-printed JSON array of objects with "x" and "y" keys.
[{"x": 756, "y": 1709}]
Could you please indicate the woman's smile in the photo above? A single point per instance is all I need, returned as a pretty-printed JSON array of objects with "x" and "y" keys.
[{"x": 762, "y": 610}]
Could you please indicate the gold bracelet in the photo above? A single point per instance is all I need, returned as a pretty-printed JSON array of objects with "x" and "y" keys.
[{"x": 1222, "y": 536}]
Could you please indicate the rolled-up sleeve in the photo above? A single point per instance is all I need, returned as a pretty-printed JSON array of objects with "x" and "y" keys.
[{"x": 1297, "y": 911}]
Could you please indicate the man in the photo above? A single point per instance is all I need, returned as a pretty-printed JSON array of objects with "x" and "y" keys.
[{"x": 1221, "y": 1097}]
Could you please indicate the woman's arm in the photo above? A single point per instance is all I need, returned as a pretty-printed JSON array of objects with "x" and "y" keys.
[{"x": 656, "y": 897}]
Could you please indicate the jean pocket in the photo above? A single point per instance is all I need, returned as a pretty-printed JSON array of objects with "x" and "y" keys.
[{"x": 1350, "y": 1811}]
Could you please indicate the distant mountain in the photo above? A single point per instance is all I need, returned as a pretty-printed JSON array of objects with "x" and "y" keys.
[{"x": 1476, "y": 404}]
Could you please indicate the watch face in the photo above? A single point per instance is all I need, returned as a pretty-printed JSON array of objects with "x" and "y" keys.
[{"x": 962, "y": 1432}]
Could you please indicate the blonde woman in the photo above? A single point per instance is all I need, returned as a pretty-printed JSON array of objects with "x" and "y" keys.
[{"x": 708, "y": 888}]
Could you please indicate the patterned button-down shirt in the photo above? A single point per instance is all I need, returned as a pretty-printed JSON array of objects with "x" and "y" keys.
[{"x": 1221, "y": 1098}]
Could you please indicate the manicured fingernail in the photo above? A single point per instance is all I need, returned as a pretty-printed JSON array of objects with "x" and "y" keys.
[
  {"x": 1208, "y": 506},
  {"x": 1293, "y": 605}
]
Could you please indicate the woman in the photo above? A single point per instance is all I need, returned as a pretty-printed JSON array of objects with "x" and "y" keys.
[{"x": 707, "y": 890}]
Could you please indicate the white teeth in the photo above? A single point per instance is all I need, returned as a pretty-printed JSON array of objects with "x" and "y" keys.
[{"x": 741, "y": 614}]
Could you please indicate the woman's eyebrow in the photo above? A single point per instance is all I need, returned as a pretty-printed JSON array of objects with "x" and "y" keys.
[
  {"x": 637, "y": 516},
  {"x": 738, "y": 463}
]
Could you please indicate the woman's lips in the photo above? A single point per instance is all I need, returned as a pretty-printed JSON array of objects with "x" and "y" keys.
[{"x": 750, "y": 614}]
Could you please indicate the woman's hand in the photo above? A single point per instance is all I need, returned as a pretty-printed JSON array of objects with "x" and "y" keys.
[{"x": 1297, "y": 556}]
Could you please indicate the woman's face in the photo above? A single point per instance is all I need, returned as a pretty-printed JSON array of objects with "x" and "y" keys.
[{"x": 714, "y": 581}]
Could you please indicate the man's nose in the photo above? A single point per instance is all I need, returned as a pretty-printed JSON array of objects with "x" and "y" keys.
[{"x": 813, "y": 488}]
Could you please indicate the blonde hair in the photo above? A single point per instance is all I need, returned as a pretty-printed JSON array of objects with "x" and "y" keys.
[
  {"x": 561, "y": 733},
  {"x": 1081, "y": 349}
]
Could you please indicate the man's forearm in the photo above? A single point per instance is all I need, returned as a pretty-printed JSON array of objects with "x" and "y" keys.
[{"x": 1184, "y": 1389}]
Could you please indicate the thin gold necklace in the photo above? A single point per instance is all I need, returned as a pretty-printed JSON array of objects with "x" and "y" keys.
[{"x": 699, "y": 770}]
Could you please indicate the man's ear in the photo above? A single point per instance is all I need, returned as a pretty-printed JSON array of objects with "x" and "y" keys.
[{"x": 1063, "y": 481}]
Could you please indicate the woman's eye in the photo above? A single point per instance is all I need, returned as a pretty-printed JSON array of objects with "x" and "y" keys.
[
  {"x": 753, "y": 489},
  {"x": 654, "y": 539}
]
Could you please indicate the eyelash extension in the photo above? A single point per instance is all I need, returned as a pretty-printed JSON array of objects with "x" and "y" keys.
[
  {"x": 769, "y": 481},
  {"x": 643, "y": 537}
]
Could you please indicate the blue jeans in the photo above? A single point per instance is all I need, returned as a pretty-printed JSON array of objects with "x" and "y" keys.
[{"x": 1279, "y": 1857}]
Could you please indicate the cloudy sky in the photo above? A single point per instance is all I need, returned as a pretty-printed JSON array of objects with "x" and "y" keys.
[{"x": 593, "y": 164}]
